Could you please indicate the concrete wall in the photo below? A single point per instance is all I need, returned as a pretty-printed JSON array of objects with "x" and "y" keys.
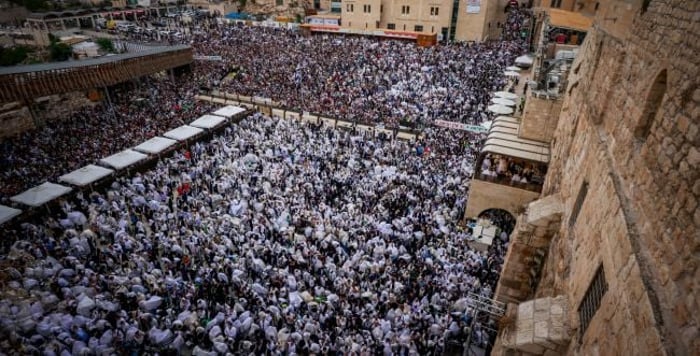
[
  {"x": 540, "y": 118},
  {"x": 358, "y": 18},
  {"x": 640, "y": 154},
  {"x": 419, "y": 15},
  {"x": 15, "y": 121},
  {"x": 485, "y": 195}
]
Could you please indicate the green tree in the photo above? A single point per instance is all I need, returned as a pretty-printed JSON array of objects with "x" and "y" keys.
[
  {"x": 12, "y": 56},
  {"x": 58, "y": 50},
  {"x": 105, "y": 44}
]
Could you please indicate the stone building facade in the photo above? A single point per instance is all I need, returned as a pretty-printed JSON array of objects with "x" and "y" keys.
[{"x": 613, "y": 242}]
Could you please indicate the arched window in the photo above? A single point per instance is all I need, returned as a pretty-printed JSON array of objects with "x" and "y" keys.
[{"x": 651, "y": 107}]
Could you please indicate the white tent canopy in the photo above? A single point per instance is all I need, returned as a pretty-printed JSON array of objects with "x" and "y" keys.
[
  {"x": 505, "y": 95},
  {"x": 229, "y": 111},
  {"x": 208, "y": 121},
  {"x": 500, "y": 109},
  {"x": 514, "y": 69},
  {"x": 524, "y": 61},
  {"x": 86, "y": 175},
  {"x": 41, "y": 194},
  {"x": 123, "y": 159},
  {"x": 155, "y": 145},
  {"x": 183, "y": 133},
  {"x": 502, "y": 101},
  {"x": 511, "y": 74},
  {"x": 7, "y": 213}
]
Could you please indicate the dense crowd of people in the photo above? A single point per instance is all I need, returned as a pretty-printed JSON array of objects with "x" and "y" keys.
[
  {"x": 362, "y": 79},
  {"x": 95, "y": 132},
  {"x": 275, "y": 237}
]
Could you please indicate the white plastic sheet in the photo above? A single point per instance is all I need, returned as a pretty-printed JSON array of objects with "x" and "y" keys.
[
  {"x": 208, "y": 121},
  {"x": 183, "y": 133},
  {"x": 155, "y": 145},
  {"x": 229, "y": 111},
  {"x": 123, "y": 159},
  {"x": 86, "y": 175},
  {"x": 7, "y": 213},
  {"x": 41, "y": 194}
]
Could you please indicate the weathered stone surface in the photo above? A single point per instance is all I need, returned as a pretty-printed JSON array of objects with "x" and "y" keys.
[{"x": 640, "y": 219}]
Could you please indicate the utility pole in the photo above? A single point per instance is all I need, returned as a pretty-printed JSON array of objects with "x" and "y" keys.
[{"x": 481, "y": 305}]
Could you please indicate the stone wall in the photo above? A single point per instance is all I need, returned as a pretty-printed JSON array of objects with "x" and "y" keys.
[
  {"x": 15, "y": 121},
  {"x": 540, "y": 117},
  {"x": 629, "y": 128},
  {"x": 486, "y": 195}
]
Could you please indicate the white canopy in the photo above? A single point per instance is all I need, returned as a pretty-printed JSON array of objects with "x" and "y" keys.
[
  {"x": 7, "y": 213},
  {"x": 524, "y": 61},
  {"x": 513, "y": 69},
  {"x": 500, "y": 109},
  {"x": 123, "y": 159},
  {"x": 502, "y": 101},
  {"x": 155, "y": 145},
  {"x": 85, "y": 175},
  {"x": 505, "y": 95},
  {"x": 511, "y": 74},
  {"x": 208, "y": 121},
  {"x": 41, "y": 194},
  {"x": 183, "y": 133},
  {"x": 229, "y": 111}
]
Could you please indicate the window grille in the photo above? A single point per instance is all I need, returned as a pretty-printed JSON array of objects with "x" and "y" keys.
[{"x": 591, "y": 300}]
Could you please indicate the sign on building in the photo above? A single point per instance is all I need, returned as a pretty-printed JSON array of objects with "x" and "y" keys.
[
  {"x": 473, "y": 6},
  {"x": 461, "y": 126}
]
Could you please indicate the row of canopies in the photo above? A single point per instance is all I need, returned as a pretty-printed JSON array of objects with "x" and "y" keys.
[{"x": 106, "y": 167}]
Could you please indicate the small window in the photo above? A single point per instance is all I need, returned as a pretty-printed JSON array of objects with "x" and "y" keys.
[
  {"x": 655, "y": 98},
  {"x": 280, "y": 2},
  {"x": 381, "y": 8},
  {"x": 597, "y": 5},
  {"x": 580, "y": 198},
  {"x": 555, "y": 4},
  {"x": 391, "y": 26},
  {"x": 408, "y": 10},
  {"x": 368, "y": 8},
  {"x": 434, "y": 11},
  {"x": 591, "y": 300},
  {"x": 418, "y": 28}
]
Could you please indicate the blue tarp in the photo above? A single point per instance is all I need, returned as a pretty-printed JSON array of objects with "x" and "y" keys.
[{"x": 237, "y": 16}]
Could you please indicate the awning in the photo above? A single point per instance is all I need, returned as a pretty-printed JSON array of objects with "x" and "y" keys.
[
  {"x": 503, "y": 139},
  {"x": 183, "y": 133},
  {"x": 155, "y": 145},
  {"x": 208, "y": 121},
  {"x": 41, "y": 194},
  {"x": 7, "y": 213},
  {"x": 569, "y": 20},
  {"x": 123, "y": 159},
  {"x": 229, "y": 111},
  {"x": 86, "y": 175}
]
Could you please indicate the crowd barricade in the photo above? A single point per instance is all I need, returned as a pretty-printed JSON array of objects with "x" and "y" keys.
[
  {"x": 345, "y": 125},
  {"x": 278, "y": 113},
  {"x": 292, "y": 115},
  {"x": 328, "y": 122},
  {"x": 308, "y": 117},
  {"x": 271, "y": 108}
]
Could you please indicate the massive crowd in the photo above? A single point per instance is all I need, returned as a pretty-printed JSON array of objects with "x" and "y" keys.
[{"x": 275, "y": 237}]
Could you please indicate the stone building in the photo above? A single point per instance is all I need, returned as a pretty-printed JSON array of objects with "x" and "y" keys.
[
  {"x": 474, "y": 20},
  {"x": 605, "y": 261}
]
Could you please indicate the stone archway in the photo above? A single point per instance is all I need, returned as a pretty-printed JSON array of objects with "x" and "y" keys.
[{"x": 499, "y": 217}]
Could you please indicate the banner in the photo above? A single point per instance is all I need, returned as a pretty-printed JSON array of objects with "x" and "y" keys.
[
  {"x": 207, "y": 58},
  {"x": 473, "y": 6},
  {"x": 461, "y": 126}
]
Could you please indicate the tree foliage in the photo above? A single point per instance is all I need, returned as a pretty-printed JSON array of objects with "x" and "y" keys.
[
  {"x": 58, "y": 50},
  {"x": 105, "y": 44},
  {"x": 12, "y": 56}
]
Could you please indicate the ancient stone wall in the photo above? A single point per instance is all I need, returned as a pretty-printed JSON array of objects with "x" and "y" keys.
[
  {"x": 539, "y": 118},
  {"x": 629, "y": 128}
]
